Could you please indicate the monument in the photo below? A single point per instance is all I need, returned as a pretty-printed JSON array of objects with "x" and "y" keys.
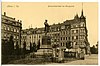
[
  {"x": 46, "y": 40},
  {"x": 45, "y": 46}
]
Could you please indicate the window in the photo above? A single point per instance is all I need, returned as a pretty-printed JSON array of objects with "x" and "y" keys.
[
  {"x": 54, "y": 29},
  {"x": 17, "y": 37},
  {"x": 17, "y": 30},
  {"x": 14, "y": 30},
  {"x": 58, "y": 29},
  {"x": 8, "y": 28},
  {"x": 5, "y": 35},
  {"x": 76, "y": 43},
  {"x": 39, "y": 36},
  {"x": 66, "y": 38},
  {"x": 76, "y": 37},
  {"x": 61, "y": 33},
  {"x": 64, "y": 33},
  {"x": 71, "y": 26},
  {"x": 72, "y": 37},
  {"x": 83, "y": 37},
  {"x": 72, "y": 31},
  {"x": 76, "y": 31},
  {"x": 34, "y": 36},
  {"x": 67, "y": 27},
  {"x": 69, "y": 38},
  {"x": 76, "y": 25},
  {"x": 61, "y": 44},
  {"x": 54, "y": 40},
  {"x": 4, "y": 27},
  {"x": 58, "y": 34},
  {"x": 62, "y": 27},
  {"x": 57, "y": 55},
  {"x": 58, "y": 40},
  {"x": 66, "y": 43},
  {"x": 61, "y": 38},
  {"x": 82, "y": 25},
  {"x": 14, "y": 36},
  {"x": 55, "y": 34},
  {"x": 82, "y": 30}
]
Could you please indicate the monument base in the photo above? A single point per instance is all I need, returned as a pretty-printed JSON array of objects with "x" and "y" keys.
[
  {"x": 45, "y": 47},
  {"x": 43, "y": 51}
]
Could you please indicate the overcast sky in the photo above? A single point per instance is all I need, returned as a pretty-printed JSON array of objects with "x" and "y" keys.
[{"x": 35, "y": 14}]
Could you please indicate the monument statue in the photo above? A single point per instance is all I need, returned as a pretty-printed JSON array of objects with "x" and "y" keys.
[
  {"x": 46, "y": 27},
  {"x": 45, "y": 46}
]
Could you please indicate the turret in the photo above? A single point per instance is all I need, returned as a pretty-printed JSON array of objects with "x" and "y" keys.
[
  {"x": 82, "y": 17},
  {"x": 76, "y": 17}
]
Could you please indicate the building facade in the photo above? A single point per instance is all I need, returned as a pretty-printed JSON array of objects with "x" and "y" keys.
[
  {"x": 11, "y": 27},
  {"x": 31, "y": 36},
  {"x": 70, "y": 31}
]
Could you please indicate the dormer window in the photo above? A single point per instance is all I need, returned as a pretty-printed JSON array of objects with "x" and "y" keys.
[
  {"x": 63, "y": 27},
  {"x": 82, "y": 25}
]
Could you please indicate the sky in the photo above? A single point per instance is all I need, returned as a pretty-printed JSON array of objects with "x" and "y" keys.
[{"x": 33, "y": 14}]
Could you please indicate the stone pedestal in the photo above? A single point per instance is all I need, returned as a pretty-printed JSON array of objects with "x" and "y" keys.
[
  {"x": 45, "y": 47},
  {"x": 46, "y": 42}
]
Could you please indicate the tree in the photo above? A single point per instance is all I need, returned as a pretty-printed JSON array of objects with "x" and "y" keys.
[
  {"x": 97, "y": 48},
  {"x": 31, "y": 47},
  {"x": 38, "y": 46},
  {"x": 11, "y": 45},
  {"x": 17, "y": 49},
  {"x": 24, "y": 47},
  {"x": 34, "y": 47},
  {"x": 93, "y": 49},
  {"x": 4, "y": 50},
  {"x": 68, "y": 45},
  {"x": 5, "y": 47}
]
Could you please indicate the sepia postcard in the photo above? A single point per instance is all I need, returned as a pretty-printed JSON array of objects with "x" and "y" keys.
[{"x": 49, "y": 33}]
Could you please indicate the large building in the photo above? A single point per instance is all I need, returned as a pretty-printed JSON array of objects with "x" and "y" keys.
[
  {"x": 31, "y": 36},
  {"x": 11, "y": 27},
  {"x": 70, "y": 31}
]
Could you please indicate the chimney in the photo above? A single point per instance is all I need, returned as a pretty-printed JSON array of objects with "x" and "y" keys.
[
  {"x": 20, "y": 20},
  {"x": 4, "y": 13},
  {"x": 14, "y": 18}
]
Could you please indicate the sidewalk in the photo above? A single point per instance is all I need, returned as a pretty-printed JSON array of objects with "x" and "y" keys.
[{"x": 87, "y": 56}]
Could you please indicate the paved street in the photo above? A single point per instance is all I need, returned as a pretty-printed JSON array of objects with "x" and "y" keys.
[{"x": 89, "y": 60}]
